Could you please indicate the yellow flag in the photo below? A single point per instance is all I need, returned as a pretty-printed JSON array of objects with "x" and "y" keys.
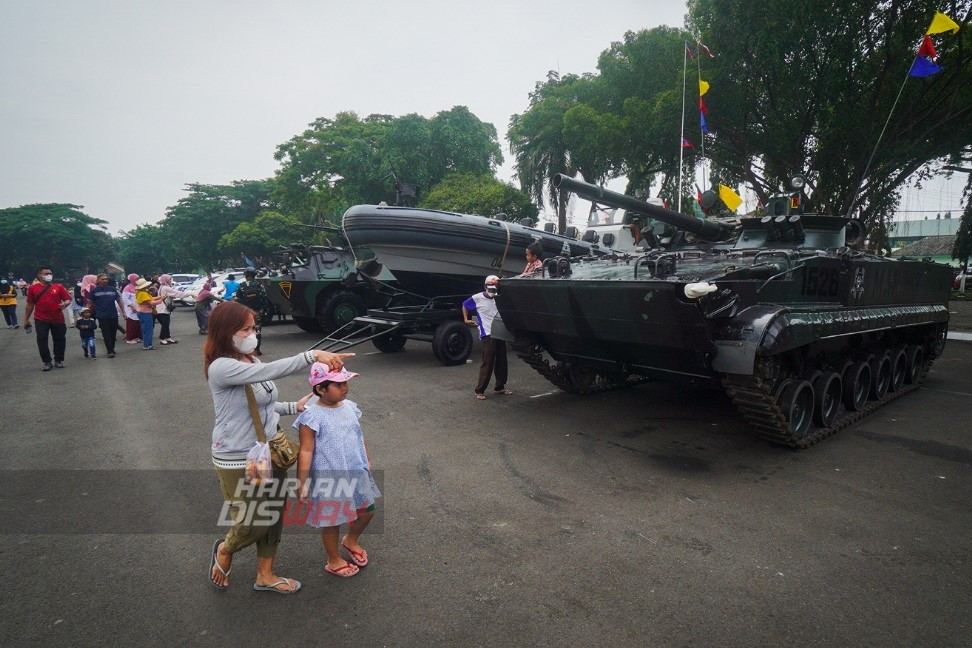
[
  {"x": 703, "y": 87},
  {"x": 730, "y": 197},
  {"x": 941, "y": 23}
]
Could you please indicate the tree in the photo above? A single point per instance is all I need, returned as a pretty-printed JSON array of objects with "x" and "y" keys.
[
  {"x": 56, "y": 234},
  {"x": 146, "y": 249},
  {"x": 461, "y": 143},
  {"x": 798, "y": 91},
  {"x": 344, "y": 161},
  {"x": 198, "y": 221},
  {"x": 623, "y": 121},
  {"x": 537, "y": 142},
  {"x": 962, "y": 162},
  {"x": 642, "y": 78},
  {"x": 963, "y": 240},
  {"x": 262, "y": 236},
  {"x": 483, "y": 194}
]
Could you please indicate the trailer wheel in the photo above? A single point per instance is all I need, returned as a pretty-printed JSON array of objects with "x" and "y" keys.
[
  {"x": 452, "y": 343},
  {"x": 339, "y": 309},
  {"x": 389, "y": 342}
]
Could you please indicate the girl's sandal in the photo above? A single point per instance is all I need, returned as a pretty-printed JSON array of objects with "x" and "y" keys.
[{"x": 346, "y": 571}]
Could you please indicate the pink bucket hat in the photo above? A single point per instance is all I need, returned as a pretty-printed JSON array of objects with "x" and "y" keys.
[{"x": 320, "y": 372}]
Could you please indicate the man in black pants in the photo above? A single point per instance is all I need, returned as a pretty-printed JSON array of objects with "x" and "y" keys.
[
  {"x": 48, "y": 299},
  {"x": 252, "y": 294},
  {"x": 102, "y": 301}
]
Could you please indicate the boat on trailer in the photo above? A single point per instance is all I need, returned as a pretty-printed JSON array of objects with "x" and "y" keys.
[{"x": 435, "y": 253}]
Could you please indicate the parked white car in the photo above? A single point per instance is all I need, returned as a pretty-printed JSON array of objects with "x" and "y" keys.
[
  {"x": 193, "y": 289},
  {"x": 961, "y": 282},
  {"x": 181, "y": 280}
]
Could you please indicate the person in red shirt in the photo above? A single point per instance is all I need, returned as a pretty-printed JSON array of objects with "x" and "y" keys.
[{"x": 45, "y": 300}]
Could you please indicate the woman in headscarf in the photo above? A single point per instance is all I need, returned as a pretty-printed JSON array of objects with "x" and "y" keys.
[
  {"x": 87, "y": 283},
  {"x": 167, "y": 292},
  {"x": 204, "y": 301},
  {"x": 133, "y": 328}
]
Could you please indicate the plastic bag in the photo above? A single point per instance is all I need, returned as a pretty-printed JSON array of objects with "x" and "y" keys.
[{"x": 258, "y": 464}]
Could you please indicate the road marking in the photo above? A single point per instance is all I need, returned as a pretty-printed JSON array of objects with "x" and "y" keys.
[
  {"x": 549, "y": 393},
  {"x": 945, "y": 391}
]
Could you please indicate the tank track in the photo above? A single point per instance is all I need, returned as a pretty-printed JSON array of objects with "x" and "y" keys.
[
  {"x": 753, "y": 397},
  {"x": 533, "y": 356}
]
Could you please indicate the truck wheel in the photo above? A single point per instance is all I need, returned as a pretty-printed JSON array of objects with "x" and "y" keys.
[
  {"x": 389, "y": 342},
  {"x": 339, "y": 309},
  {"x": 308, "y": 324},
  {"x": 452, "y": 343}
]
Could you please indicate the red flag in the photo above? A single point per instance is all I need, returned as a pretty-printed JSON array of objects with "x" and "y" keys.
[
  {"x": 707, "y": 51},
  {"x": 927, "y": 47},
  {"x": 687, "y": 144},
  {"x": 702, "y": 108}
]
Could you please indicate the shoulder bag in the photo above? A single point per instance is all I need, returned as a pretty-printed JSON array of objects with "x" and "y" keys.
[{"x": 283, "y": 451}]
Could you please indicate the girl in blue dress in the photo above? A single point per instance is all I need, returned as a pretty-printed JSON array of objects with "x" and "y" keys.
[{"x": 334, "y": 469}]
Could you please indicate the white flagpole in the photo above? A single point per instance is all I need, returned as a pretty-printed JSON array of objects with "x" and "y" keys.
[
  {"x": 681, "y": 139},
  {"x": 698, "y": 61}
]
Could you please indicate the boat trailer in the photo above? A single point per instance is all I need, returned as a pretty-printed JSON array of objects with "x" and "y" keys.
[{"x": 438, "y": 321}]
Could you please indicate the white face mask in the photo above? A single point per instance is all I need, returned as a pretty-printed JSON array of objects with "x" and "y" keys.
[
  {"x": 245, "y": 345},
  {"x": 47, "y": 278}
]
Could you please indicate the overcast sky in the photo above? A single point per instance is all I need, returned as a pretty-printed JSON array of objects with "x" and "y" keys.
[{"x": 117, "y": 104}]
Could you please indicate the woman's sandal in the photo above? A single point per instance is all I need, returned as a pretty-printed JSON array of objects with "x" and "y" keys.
[
  {"x": 503, "y": 392},
  {"x": 215, "y": 563},
  {"x": 480, "y": 396}
]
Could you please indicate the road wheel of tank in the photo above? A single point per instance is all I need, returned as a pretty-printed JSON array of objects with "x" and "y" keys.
[
  {"x": 580, "y": 377},
  {"x": 452, "y": 343},
  {"x": 826, "y": 398},
  {"x": 308, "y": 324},
  {"x": 339, "y": 309},
  {"x": 916, "y": 361},
  {"x": 899, "y": 369},
  {"x": 389, "y": 342},
  {"x": 856, "y": 385},
  {"x": 796, "y": 401},
  {"x": 881, "y": 376}
]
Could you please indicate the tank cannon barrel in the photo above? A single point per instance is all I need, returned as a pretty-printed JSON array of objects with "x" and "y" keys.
[{"x": 708, "y": 230}]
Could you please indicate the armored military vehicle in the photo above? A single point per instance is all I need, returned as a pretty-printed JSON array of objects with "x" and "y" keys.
[
  {"x": 805, "y": 332},
  {"x": 324, "y": 287}
]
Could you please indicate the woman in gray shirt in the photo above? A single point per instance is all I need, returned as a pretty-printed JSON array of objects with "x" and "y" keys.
[{"x": 254, "y": 513}]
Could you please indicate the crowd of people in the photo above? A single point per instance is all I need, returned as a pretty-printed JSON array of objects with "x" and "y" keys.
[
  {"x": 97, "y": 303},
  {"x": 246, "y": 403}
]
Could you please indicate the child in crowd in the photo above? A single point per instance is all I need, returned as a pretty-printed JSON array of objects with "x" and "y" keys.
[
  {"x": 333, "y": 454},
  {"x": 86, "y": 326}
]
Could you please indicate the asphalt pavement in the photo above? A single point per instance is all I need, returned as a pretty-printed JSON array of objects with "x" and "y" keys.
[{"x": 642, "y": 517}]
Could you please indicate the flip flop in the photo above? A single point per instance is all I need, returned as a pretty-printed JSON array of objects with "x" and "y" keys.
[
  {"x": 480, "y": 396},
  {"x": 213, "y": 563},
  {"x": 503, "y": 392},
  {"x": 275, "y": 587},
  {"x": 359, "y": 558},
  {"x": 342, "y": 571}
]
